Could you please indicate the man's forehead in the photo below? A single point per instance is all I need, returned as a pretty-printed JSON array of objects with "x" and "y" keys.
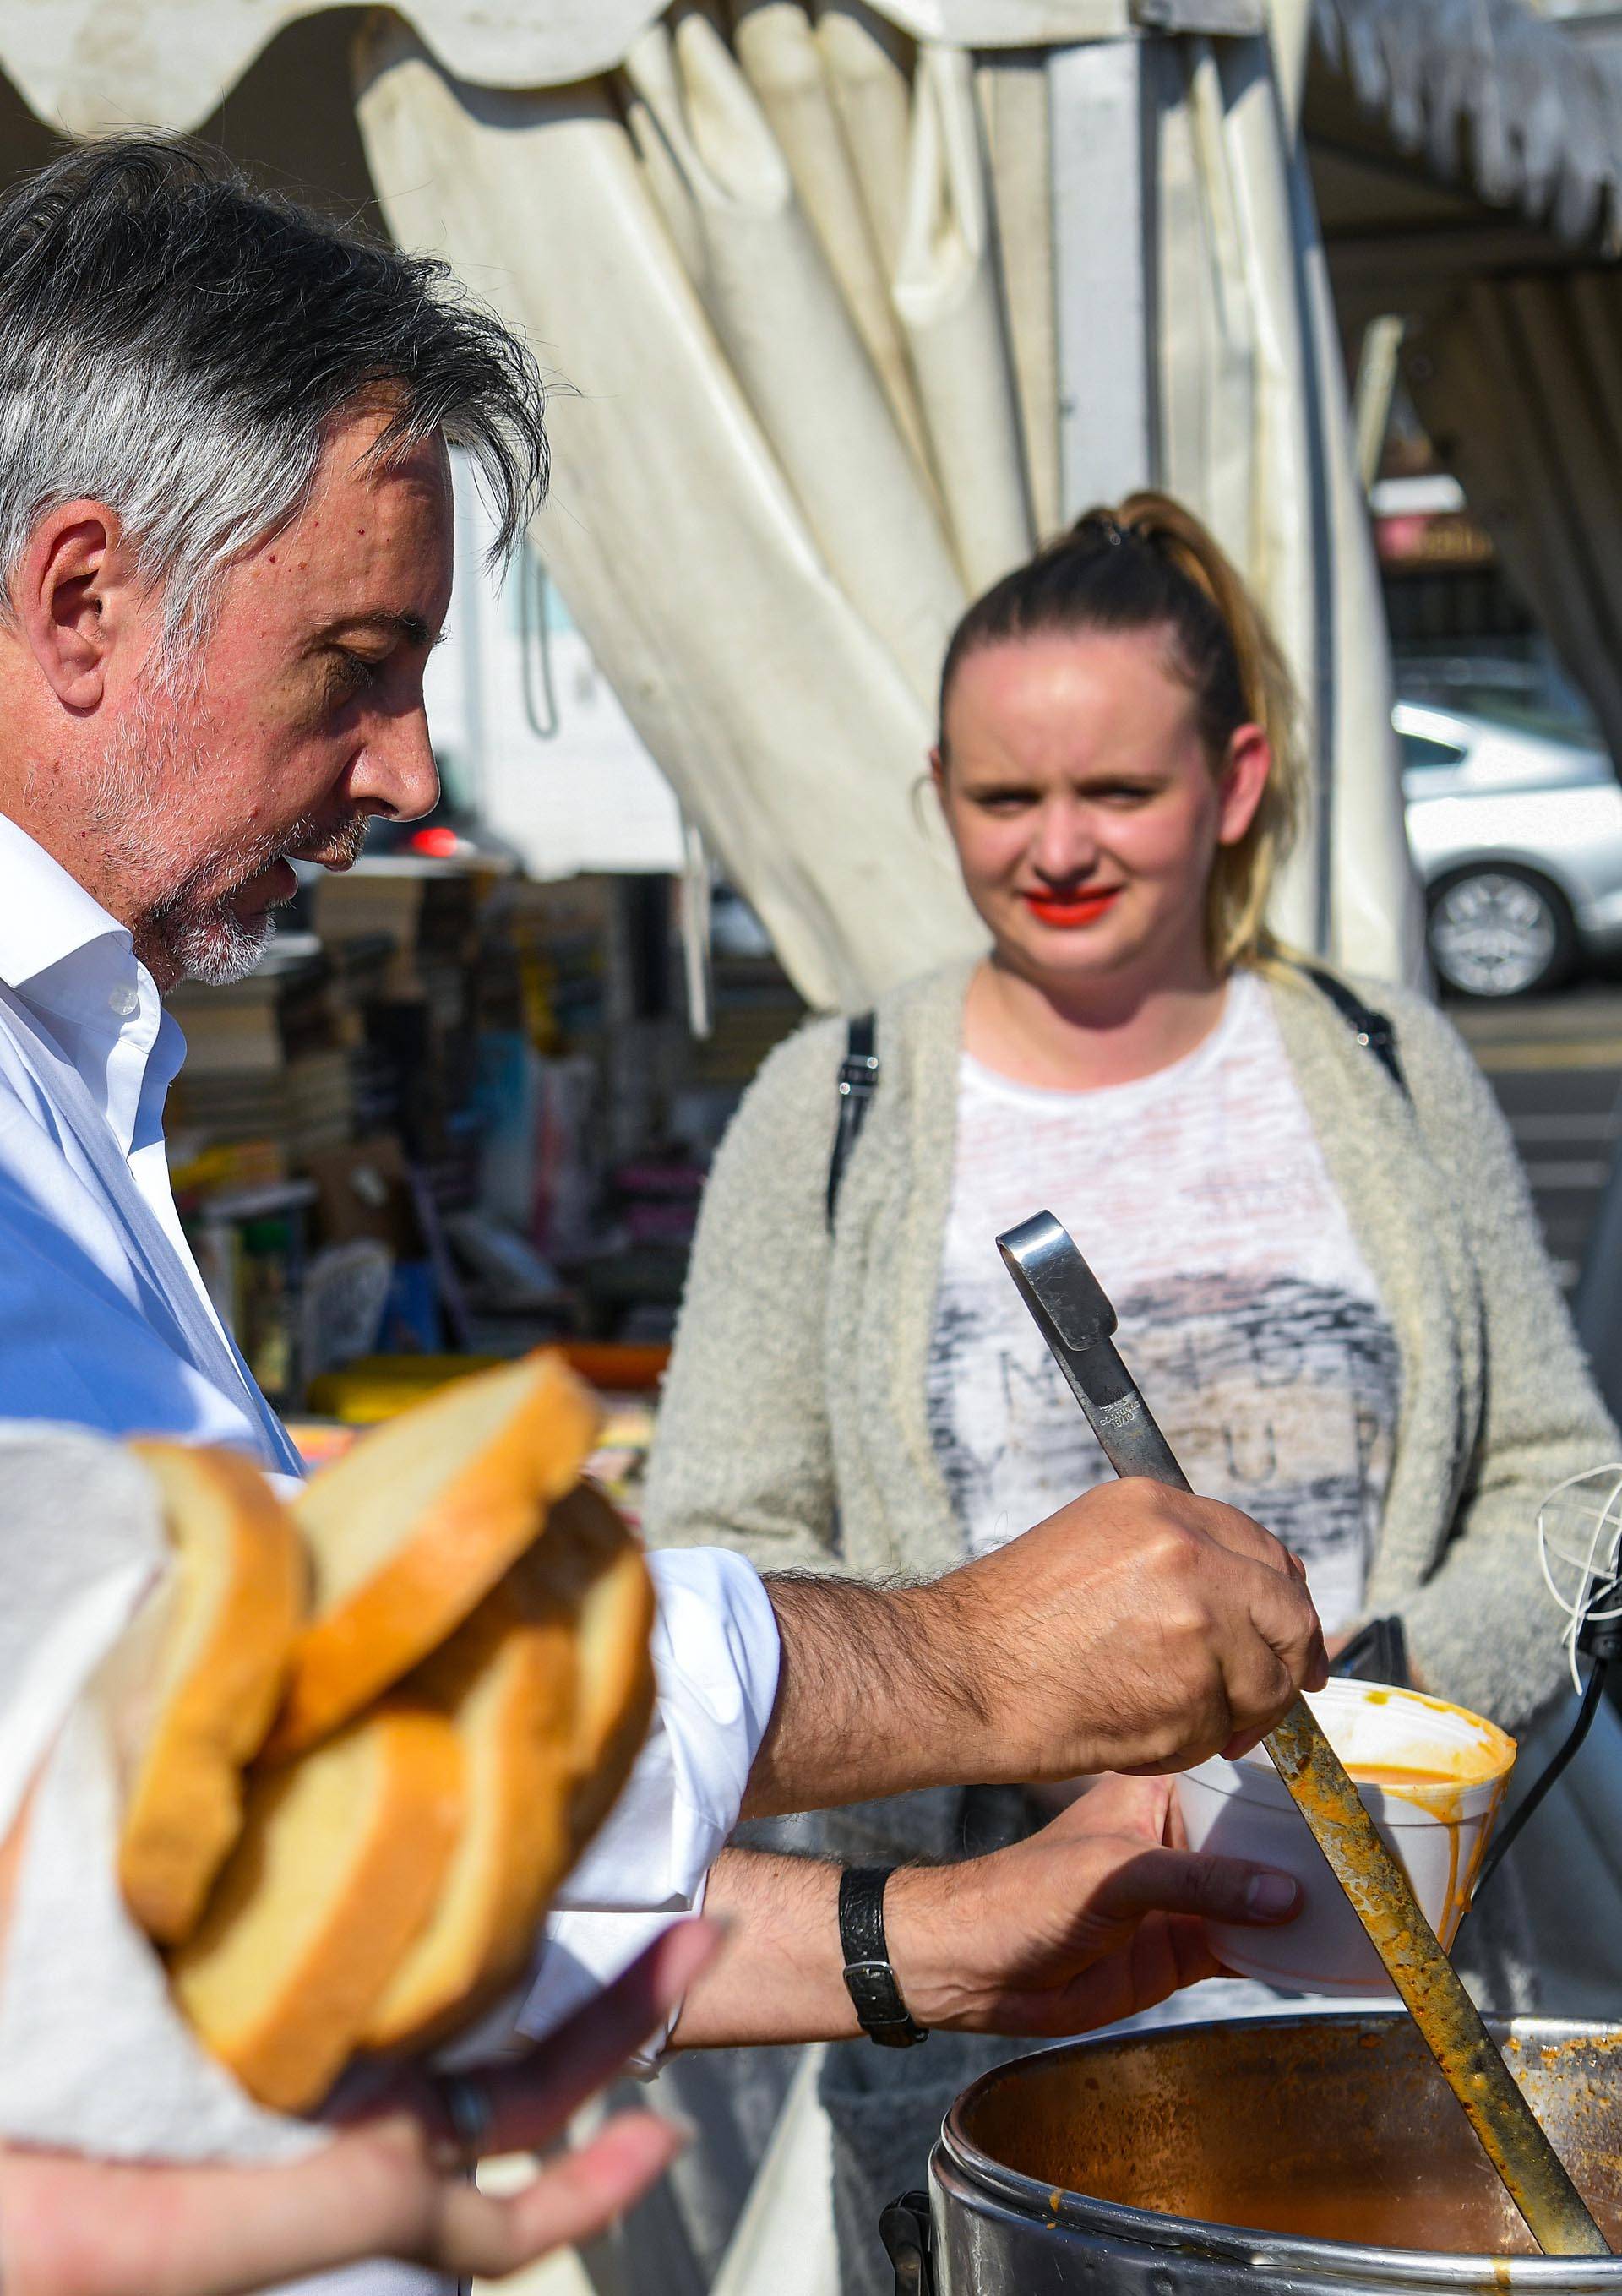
[{"x": 371, "y": 551}]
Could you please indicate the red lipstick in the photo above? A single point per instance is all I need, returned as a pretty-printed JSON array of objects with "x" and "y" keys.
[{"x": 1069, "y": 909}]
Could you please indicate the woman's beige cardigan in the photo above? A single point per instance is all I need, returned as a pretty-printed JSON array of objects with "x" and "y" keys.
[{"x": 793, "y": 1419}]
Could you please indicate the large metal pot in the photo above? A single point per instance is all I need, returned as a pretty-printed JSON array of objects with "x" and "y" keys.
[{"x": 1322, "y": 2152}]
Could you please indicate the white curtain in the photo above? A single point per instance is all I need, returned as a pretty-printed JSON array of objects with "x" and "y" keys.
[
  {"x": 1519, "y": 382},
  {"x": 86, "y": 66},
  {"x": 1254, "y": 433},
  {"x": 797, "y": 279},
  {"x": 757, "y": 544}
]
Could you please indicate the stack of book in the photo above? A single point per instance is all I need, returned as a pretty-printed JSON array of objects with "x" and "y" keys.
[
  {"x": 368, "y": 922},
  {"x": 267, "y": 1058},
  {"x": 305, "y": 1105}
]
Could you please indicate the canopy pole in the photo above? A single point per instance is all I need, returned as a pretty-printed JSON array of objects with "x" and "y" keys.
[{"x": 1103, "y": 272}]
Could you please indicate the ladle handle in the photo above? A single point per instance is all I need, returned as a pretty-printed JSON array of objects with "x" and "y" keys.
[
  {"x": 1076, "y": 1319},
  {"x": 1383, "y": 1900}
]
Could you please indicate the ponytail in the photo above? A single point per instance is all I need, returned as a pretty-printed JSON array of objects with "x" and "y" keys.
[{"x": 1150, "y": 564}]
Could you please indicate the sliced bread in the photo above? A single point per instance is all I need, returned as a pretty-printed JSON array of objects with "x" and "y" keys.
[
  {"x": 508, "y": 1682},
  {"x": 550, "y": 1688},
  {"x": 410, "y": 1530},
  {"x": 591, "y": 1558},
  {"x": 232, "y": 1610},
  {"x": 341, "y": 1858}
]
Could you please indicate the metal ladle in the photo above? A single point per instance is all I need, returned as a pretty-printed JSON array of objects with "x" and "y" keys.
[{"x": 1078, "y": 1321}]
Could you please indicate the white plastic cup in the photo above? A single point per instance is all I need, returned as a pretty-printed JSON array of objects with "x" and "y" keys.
[{"x": 1437, "y": 1829}]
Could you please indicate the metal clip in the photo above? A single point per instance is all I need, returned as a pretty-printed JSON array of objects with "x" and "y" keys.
[{"x": 909, "y": 2242}]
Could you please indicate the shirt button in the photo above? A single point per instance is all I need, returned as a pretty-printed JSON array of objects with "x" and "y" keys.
[{"x": 123, "y": 1002}]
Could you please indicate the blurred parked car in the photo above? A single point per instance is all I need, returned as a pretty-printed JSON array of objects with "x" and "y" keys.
[{"x": 1515, "y": 825}]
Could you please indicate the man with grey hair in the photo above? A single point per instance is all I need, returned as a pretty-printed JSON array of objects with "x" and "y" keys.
[{"x": 224, "y": 552}]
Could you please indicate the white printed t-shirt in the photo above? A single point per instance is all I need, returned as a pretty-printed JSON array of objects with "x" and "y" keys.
[{"x": 1248, "y": 1315}]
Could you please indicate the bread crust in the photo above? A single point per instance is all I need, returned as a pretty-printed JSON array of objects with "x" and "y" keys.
[
  {"x": 185, "y": 1805},
  {"x": 573, "y": 1614},
  {"x": 507, "y": 1681},
  {"x": 452, "y": 1553},
  {"x": 587, "y": 1551},
  {"x": 286, "y": 2025}
]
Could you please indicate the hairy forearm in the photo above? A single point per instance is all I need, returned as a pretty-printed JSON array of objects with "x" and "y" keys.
[
  {"x": 872, "y": 1698},
  {"x": 1138, "y": 1629},
  {"x": 1087, "y": 1921},
  {"x": 782, "y": 1976}
]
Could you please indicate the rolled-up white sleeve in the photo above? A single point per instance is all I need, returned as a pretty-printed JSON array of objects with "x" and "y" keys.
[{"x": 716, "y": 1656}]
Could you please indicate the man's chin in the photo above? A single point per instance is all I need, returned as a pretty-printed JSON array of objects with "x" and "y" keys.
[{"x": 216, "y": 948}]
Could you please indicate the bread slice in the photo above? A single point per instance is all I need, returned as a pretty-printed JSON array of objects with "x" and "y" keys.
[
  {"x": 412, "y": 1528},
  {"x": 550, "y": 1687},
  {"x": 225, "y": 1644},
  {"x": 508, "y": 1682},
  {"x": 341, "y": 1857},
  {"x": 590, "y": 1556}
]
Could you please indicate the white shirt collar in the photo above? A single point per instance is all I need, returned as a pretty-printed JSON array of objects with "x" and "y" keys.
[
  {"x": 46, "y": 915},
  {"x": 74, "y": 963}
]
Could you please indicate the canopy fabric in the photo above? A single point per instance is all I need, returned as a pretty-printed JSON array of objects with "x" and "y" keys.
[
  {"x": 1255, "y": 434},
  {"x": 1519, "y": 382},
  {"x": 1493, "y": 98},
  {"x": 91, "y": 65},
  {"x": 699, "y": 533},
  {"x": 801, "y": 286}
]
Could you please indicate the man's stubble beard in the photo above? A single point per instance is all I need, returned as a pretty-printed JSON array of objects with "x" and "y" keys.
[{"x": 189, "y": 931}]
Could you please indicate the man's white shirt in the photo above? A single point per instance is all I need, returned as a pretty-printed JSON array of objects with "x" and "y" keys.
[{"x": 105, "y": 1323}]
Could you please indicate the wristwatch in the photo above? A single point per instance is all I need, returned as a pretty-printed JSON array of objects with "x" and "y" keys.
[{"x": 869, "y": 1978}]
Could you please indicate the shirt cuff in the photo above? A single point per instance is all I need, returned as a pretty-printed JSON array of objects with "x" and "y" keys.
[{"x": 715, "y": 1655}]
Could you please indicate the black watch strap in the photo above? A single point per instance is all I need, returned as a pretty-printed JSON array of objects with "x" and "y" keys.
[{"x": 869, "y": 1978}]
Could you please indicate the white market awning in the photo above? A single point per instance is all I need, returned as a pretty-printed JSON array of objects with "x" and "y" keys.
[
  {"x": 89, "y": 66},
  {"x": 855, "y": 302}
]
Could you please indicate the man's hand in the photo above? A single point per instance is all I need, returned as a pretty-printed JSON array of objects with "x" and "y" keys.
[
  {"x": 1099, "y": 1914},
  {"x": 1139, "y": 1628},
  {"x": 391, "y": 2185}
]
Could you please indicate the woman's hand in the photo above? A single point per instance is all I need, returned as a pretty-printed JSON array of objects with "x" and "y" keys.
[
  {"x": 1100, "y": 1914},
  {"x": 391, "y": 2184}
]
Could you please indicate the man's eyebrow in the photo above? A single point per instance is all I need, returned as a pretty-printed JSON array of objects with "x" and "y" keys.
[{"x": 410, "y": 629}]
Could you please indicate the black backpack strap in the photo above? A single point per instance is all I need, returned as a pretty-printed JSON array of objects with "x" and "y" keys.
[
  {"x": 1372, "y": 1028},
  {"x": 858, "y": 1082}
]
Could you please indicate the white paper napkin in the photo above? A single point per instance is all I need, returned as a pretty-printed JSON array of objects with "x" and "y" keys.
[{"x": 92, "y": 2053}]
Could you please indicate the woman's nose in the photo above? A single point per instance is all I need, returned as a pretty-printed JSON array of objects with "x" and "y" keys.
[{"x": 1065, "y": 845}]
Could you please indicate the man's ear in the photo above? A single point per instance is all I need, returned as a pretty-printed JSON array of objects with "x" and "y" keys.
[{"x": 75, "y": 597}]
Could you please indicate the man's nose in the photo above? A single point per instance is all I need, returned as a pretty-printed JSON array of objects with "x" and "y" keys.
[{"x": 397, "y": 774}]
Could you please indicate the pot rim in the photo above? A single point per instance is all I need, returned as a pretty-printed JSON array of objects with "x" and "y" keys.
[{"x": 959, "y": 2161}]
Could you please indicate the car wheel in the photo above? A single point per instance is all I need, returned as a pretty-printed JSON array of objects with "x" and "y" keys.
[{"x": 1498, "y": 931}]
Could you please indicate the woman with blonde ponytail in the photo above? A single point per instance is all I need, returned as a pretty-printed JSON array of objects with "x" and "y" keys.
[
  {"x": 1295, "y": 1187},
  {"x": 1243, "y": 875}
]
